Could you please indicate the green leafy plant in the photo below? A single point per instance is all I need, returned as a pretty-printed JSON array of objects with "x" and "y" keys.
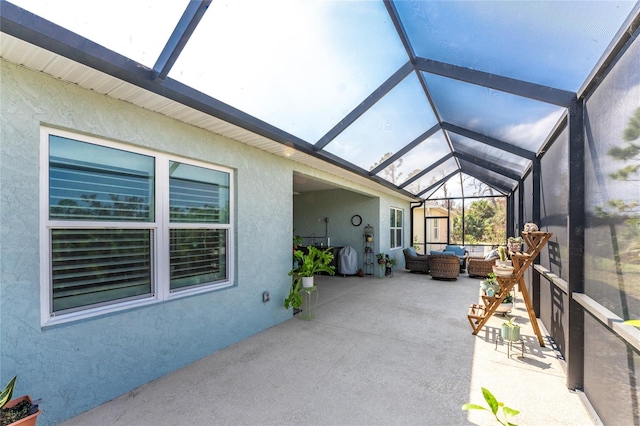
[
  {"x": 508, "y": 298},
  {"x": 7, "y": 393},
  {"x": 511, "y": 323},
  {"x": 391, "y": 261},
  {"x": 515, "y": 240},
  {"x": 494, "y": 407},
  {"x": 294, "y": 299},
  {"x": 314, "y": 261},
  {"x": 381, "y": 256}
]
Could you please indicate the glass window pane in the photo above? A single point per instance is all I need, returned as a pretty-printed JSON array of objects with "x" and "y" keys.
[
  {"x": 392, "y": 238},
  {"x": 198, "y": 194},
  {"x": 396, "y": 120},
  {"x": 430, "y": 178},
  {"x": 98, "y": 266},
  {"x": 198, "y": 256},
  {"x": 554, "y": 43},
  {"x": 484, "y": 221},
  {"x": 415, "y": 161},
  {"x": 509, "y": 118},
  {"x": 612, "y": 188},
  {"x": 143, "y": 26},
  {"x": 92, "y": 182},
  {"x": 399, "y": 218},
  {"x": 392, "y": 218},
  {"x": 477, "y": 149},
  {"x": 398, "y": 238},
  {"x": 299, "y": 65}
]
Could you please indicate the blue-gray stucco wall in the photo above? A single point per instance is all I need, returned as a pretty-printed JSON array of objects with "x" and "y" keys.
[{"x": 78, "y": 365}]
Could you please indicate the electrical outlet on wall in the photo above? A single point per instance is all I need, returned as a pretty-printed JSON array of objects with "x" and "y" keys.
[{"x": 265, "y": 297}]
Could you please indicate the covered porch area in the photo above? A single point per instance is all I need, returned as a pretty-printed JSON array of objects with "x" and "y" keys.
[{"x": 393, "y": 350}]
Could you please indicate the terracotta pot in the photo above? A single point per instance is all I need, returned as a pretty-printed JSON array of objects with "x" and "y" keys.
[{"x": 27, "y": 421}]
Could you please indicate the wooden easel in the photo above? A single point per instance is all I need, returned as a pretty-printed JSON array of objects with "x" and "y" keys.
[{"x": 479, "y": 314}]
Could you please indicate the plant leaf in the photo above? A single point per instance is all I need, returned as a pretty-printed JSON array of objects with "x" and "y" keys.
[
  {"x": 491, "y": 400},
  {"x": 473, "y": 407},
  {"x": 510, "y": 412},
  {"x": 511, "y": 424},
  {"x": 7, "y": 393}
]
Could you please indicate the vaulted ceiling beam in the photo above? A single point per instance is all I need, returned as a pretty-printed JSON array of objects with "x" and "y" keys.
[
  {"x": 182, "y": 32},
  {"x": 417, "y": 141},
  {"x": 486, "y": 179},
  {"x": 489, "y": 165},
  {"x": 35, "y": 30},
  {"x": 438, "y": 183},
  {"x": 516, "y": 150},
  {"x": 514, "y": 86},
  {"x": 427, "y": 170},
  {"x": 378, "y": 94}
]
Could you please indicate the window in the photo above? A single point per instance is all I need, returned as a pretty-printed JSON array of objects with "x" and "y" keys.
[
  {"x": 395, "y": 228},
  {"x": 124, "y": 227}
]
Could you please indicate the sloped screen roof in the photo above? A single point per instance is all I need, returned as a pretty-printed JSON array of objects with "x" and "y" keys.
[{"x": 413, "y": 94}]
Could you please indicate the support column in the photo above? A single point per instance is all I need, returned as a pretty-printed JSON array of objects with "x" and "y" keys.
[
  {"x": 575, "y": 348},
  {"x": 520, "y": 206},
  {"x": 536, "y": 217}
]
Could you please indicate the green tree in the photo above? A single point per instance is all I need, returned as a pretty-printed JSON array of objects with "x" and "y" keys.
[{"x": 390, "y": 172}]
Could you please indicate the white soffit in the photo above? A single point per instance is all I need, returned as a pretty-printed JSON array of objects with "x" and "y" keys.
[{"x": 25, "y": 54}]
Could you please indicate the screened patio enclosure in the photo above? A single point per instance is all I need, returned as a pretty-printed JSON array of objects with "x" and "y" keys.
[{"x": 532, "y": 105}]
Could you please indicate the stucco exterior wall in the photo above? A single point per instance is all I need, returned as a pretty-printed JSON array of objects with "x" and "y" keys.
[
  {"x": 78, "y": 365},
  {"x": 81, "y": 364}
]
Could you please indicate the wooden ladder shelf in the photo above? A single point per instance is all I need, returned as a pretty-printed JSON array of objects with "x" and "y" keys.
[{"x": 479, "y": 314}]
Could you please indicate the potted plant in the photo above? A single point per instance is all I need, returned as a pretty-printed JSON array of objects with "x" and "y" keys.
[
  {"x": 506, "y": 305},
  {"x": 294, "y": 299},
  {"x": 389, "y": 262},
  {"x": 503, "y": 270},
  {"x": 504, "y": 259},
  {"x": 381, "y": 258},
  {"x": 19, "y": 411},
  {"x": 515, "y": 244},
  {"x": 313, "y": 262},
  {"x": 491, "y": 282},
  {"x": 510, "y": 331}
]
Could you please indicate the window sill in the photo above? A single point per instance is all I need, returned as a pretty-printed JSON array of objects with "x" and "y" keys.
[{"x": 93, "y": 313}]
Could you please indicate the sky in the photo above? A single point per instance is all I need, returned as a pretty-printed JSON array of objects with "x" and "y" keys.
[{"x": 302, "y": 66}]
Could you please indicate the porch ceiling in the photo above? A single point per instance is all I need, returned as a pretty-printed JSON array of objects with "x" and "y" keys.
[{"x": 398, "y": 96}]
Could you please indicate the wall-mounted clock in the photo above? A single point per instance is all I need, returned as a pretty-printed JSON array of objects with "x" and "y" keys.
[{"x": 356, "y": 220}]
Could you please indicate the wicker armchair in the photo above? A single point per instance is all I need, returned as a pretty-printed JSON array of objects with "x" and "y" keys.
[
  {"x": 480, "y": 267},
  {"x": 443, "y": 266},
  {"x": 417, "y": 263}
]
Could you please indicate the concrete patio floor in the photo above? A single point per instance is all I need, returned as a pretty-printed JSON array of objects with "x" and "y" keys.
[{"x": 380, "y": 351}]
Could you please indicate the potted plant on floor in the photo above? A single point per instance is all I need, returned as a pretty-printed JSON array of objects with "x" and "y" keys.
[
  {"x": 19, "y": 411},
  {"x": 510, "y": 331},
  {"x": 390, "y": 262},
  {"x": 313, "y": 262}
]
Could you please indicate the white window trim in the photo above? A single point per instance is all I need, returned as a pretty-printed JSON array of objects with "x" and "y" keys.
[
  {"x": 401, "y": 228},
  {"x": 160, "y": 291}
]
